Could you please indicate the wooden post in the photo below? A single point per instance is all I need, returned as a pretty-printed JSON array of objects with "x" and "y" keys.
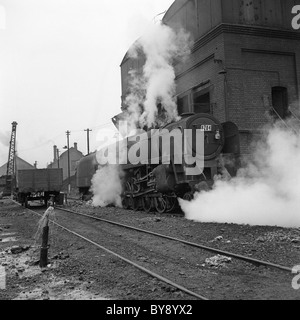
[{"x": 44, "y": 247}]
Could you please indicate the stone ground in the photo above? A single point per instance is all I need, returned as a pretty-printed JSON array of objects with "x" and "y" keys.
[{"x": 78, "y": 271}]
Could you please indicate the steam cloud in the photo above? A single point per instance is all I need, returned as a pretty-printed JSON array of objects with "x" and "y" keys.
[
  {"x": 107, "y": 181},
  {"x": 265, "y": 192},
  {"x": 107, "y": 186},
  {"x": 155, "y": 84}
]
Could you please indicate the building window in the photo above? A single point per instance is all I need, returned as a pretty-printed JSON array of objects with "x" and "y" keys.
[
  {"x": 201, "y": 102},
  {"x": 183, "y": 105},
  {"x": 280, "y": 102}
]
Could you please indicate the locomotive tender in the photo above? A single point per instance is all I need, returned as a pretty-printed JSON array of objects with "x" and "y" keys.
[{"x": 155, "y": 184}]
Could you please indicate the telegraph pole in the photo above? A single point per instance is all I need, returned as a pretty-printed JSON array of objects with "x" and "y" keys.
[
  {"x": 88, "y": 140},
  {"x": 69, "y": 173}
]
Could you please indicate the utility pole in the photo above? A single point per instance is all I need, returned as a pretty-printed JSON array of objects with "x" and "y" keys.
[
  {"x": 69, "y": 173},
  {"x": 88, "y": 140}
]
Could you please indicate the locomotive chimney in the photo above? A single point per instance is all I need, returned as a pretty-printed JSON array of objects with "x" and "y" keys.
[
  {"x": 55, "y": 153},
  {"x": 75, "y": 145}
]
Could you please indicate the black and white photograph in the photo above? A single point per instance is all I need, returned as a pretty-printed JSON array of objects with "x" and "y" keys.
[{"x": 150, "y": 153}]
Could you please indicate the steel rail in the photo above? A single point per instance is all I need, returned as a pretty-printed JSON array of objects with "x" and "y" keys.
[
  {"x": 145, "y": 270},
  {"x": 214, "y": 250}
]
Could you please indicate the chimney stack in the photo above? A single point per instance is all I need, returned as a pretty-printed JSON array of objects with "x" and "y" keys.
[
  {"x": 55, "y": 153},
  {"x": 75, "y": 145}
]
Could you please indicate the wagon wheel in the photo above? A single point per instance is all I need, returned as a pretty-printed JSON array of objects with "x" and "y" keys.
[
  {"x": 160, "y": 205},
  {"x": 171, "y": 203},
  {"x": 147, "y": 204},
  {"x": 188, "y": 196}
]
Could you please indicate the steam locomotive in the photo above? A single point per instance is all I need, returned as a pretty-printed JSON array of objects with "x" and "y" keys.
[{"x": 153, "y": 183}]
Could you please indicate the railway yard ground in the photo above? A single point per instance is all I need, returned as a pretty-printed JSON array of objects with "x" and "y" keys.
[{"x": 77, "y": 270}]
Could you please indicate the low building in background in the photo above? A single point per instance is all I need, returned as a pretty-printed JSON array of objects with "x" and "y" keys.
[
  {"x": 20, "y": 165},
  {"x": 61, "y": 161}
]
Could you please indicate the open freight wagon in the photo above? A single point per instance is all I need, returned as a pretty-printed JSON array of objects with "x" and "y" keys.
[{"x": 39, "y": 184}]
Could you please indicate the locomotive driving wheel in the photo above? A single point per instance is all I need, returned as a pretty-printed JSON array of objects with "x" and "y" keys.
[
  {"x": 171, "y": 203},
  {"x": 147, "y": 204},
  {"x": 133, "y": 203},
  {"x": 160, "y": 204},
  {"x": 136, "y": 204}
]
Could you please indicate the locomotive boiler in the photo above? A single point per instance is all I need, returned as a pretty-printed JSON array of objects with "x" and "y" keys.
[{"x": 153, "y": 183}]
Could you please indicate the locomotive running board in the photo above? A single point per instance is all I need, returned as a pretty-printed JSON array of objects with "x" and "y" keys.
[{"x": 140, "y": 194}]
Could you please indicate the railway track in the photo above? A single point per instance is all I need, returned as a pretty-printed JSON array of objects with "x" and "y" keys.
[
  {"x": 143, "y": 269},
  {"x": 256, "y": 262}
]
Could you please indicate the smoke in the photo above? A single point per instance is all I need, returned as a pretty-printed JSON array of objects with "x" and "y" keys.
[
  {"x": 264, "y": 192},
  {"x": 155, "y": 84}
]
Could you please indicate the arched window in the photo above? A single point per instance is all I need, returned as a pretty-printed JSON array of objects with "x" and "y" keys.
[
  {"x": 2, "y": 17},
  {"x": 280, "y": 101}
]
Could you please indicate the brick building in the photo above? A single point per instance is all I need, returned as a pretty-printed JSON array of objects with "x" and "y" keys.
[{"x": 245, "y": 61}]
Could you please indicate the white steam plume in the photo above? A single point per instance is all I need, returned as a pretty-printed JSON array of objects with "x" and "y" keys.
[
  {"x": 161, "y": 46},
  {"x": 265, "y": 192},
  {"x": 107, "y": 187},
  {"x": 107, "y": 181}
]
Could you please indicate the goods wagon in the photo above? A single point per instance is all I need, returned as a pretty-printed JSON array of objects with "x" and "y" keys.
[{"x": 39, "y": 184}]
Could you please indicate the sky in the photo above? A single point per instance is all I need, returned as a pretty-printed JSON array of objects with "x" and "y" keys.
[{"x": 60, "y": 69}]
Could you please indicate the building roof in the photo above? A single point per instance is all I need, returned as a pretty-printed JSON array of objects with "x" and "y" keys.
[{"x": 20, "y": 165}]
